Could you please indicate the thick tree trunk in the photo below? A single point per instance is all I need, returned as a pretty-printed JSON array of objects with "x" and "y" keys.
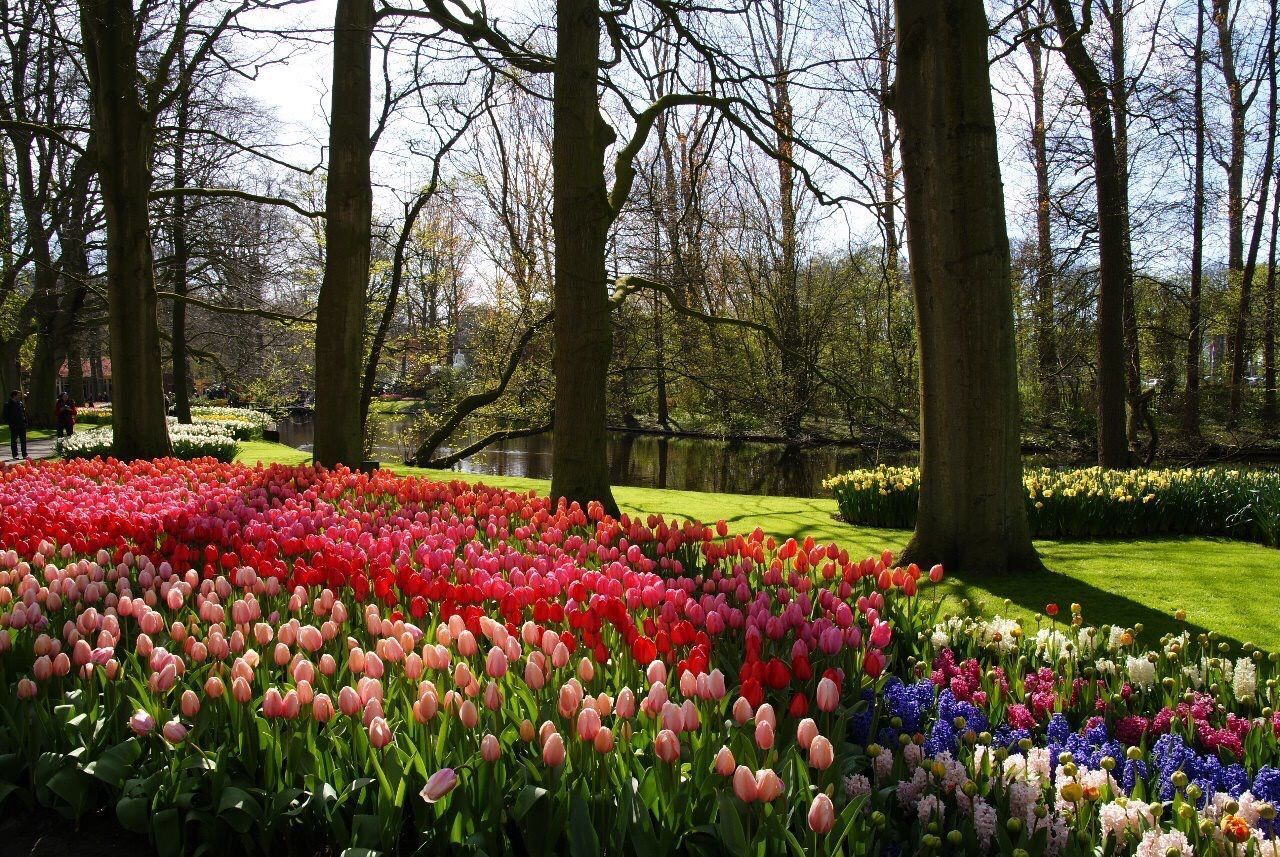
[
  {"x": 122, "y": 134},
  {"x": 1113, "y": 444},
  {"x": 340, "y": 315},
  {"x": 1191, "y": 403},
  {"x": 1120, "y": 118},
  {"x": 97, "y": 377},
  {"x": 972, "y": 515},
  {"x": 75, "y": 371},
  {"x": 181, "y": 256},
  {"x": 581, "y": 216}
]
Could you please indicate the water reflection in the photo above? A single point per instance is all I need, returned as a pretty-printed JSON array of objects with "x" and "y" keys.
[{"x": 641, "y": 460}]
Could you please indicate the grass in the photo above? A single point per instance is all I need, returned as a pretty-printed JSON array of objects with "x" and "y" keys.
[
  {"x": 32, "y": 434},
  {"x": 1226, "y": 586},
  {"x": 396, "y": 406}
]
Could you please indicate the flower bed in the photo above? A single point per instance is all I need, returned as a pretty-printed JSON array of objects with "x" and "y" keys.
[
  {"x": 244, "y": 423},
  {"x": 198, "y": 440},
  {"x": 1091, "y": 502},
  {"x": 274, "y": 658},
  {"x": 95, "y": 416}
]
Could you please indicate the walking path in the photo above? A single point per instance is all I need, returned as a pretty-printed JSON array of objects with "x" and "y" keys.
[{"x": 36, "y": 448}]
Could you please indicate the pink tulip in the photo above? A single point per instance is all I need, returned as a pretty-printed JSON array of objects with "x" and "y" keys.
[
  {"x": 822, "y": 815},
  {"x": 588, "y": 724},
  {"x": 744, "y": 784},
  {"x": 672, "y": 717},
  {"x": 142, "y": 723},
  {"x": 380, "y": 734},
  {"x": 821, "y": 753},
  {"x": 490, "y": 749},
  {"x": 189, "y": 704},
  {"x": 349, "y": 701},
  {"x": 806, "y": 731},
  {"x": 174, "y": 732},
  {"x": 716, "y": 689},
  {"x": 625, "y": 707},
  {"x": 240, "y": 691},
  {"x": 553, "y": 750},
  {"x": 742, "y": 710},
  {"x": 603, "y": 741},
  {"x": 690, "y": 718},
  {"x": 768, "y": 786},
  {"x": 533, "y": 676},
  {"x": 725, "y": 764},
  {"x": 496, "y": 663},
  {"x": 764, "y": 735},
  {"x": 272, "y": 704},
  {"x": 214, "y": 688},
  {"x": 322, "y": 708},
  {"x": 468, "y": 715},
  {"x": 656, "y": 672},
  {"x": 439, "y": 784},
  {"x": 667, "y": 746},
  {"x": 425, "y": 708},
  {"x": 828, "y": 695},
  {"x": 291, "y": 706}
]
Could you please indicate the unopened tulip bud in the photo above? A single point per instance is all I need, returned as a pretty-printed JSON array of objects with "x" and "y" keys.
[
  {"x": 821, "y": 753},
  {"x": 822, "y": 815},
  {"x": 553, "y": 750},
  {"x": 725, "y": 764},
  {"x": 439, "y": 784},
  {"x": 667, "y": 746},
  {"x": 490, "y": 749}
]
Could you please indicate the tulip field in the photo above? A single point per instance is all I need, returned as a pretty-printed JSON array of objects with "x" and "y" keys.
[{"x": 289, "y": 660}]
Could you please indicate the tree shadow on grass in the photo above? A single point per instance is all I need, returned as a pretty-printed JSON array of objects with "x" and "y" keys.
[{"x": 1033, "y": 592}]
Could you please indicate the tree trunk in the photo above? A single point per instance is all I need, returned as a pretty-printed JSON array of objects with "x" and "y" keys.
[
  {"x": 1120, "y": 118},
  {"x": 793, "y": 370},
  {"x": 97, "y": 377},
  {"x": 1113, "y": 444},
  {"x": 1046, "y": 330},
  {"x": 75, "y": 371},
  {"x": 972, "y": 514},
  {"x": 1223, "y": 20},
  {"x": 122, "y": 133},
  {"x": 340, "y": 314},
  {"x": 1269, "y": 411},
  {"x": 181, "y": 256},
  {"x": 1240, "y": 347},
  {"x": 581, "y": 216},
  {"x": 1191, "y": 404}
]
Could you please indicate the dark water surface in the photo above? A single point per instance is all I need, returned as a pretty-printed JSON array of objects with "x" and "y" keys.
[{"x": 648, "y": 461}]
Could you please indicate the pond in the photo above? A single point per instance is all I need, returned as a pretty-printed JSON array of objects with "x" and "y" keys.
[{"x": 688, "y": 464}]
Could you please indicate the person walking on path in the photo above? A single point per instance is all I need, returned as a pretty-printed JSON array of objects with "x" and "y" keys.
[
  {"x": 64, "y": 415},
  {"x": 15, "y": 415}
]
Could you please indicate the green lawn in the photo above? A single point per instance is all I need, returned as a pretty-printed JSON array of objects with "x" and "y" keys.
[
  {"x": 1229, "y": 587},
  {"x": 32, "y": 434},
  {"x": 397, "y": 406}
]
